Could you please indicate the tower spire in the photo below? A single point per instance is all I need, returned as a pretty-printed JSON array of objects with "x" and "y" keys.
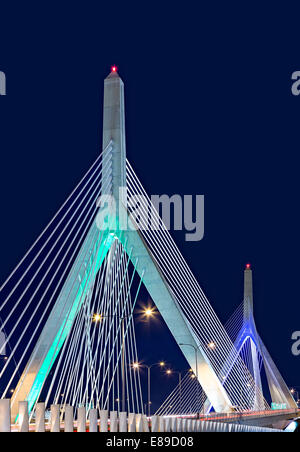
[
  {"x": 248, "y": 292},
  {"x": 114, "y": 134}
]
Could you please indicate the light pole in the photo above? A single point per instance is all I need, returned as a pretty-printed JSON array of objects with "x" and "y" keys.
[
  {"x": 137, "y": 366},
  {"x": 169, "y": 372},
  {"x": 296, "y": 392},
  {"x": 148, "y": 312},
  {"x": 196, "y": 360}
]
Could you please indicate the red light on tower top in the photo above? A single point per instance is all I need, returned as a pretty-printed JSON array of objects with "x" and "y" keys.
[
  {"x": 114, "y": 69},
  {"x": 248, "y": 266}
]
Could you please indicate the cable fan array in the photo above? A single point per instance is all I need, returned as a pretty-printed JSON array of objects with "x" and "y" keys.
[
  {"x": 90, "y": 363},
  {"x": 90, "y": 360},
  {"x": 212, "y": 336},
  {"x": 93, "y": 368},
  {"x": 187, "y": 398}
]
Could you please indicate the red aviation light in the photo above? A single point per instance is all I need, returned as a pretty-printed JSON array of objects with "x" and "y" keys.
[
  {"x": 248, "y": 266},
  {"x": 114, "y": 69}
]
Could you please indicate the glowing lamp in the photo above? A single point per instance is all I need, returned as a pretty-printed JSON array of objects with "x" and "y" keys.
[
  {"x": 211, "y": 345},
  {"x": 97, "y": 318},
  {"x": 148, "y": 312}
]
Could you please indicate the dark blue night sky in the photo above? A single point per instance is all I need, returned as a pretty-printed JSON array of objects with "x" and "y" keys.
[{"x": 209, "y": 110}]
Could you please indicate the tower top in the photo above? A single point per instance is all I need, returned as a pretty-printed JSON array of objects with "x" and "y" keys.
[
  {"x": 248, "y": 292},
  {"x": 113, "y": 72}
]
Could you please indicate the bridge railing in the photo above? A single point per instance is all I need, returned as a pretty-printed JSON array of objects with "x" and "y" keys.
[
  {"x": 242, "y": 414},
  {"x": 104, "y": 421}
]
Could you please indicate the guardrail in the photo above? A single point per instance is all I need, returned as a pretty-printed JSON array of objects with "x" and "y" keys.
[{"x": 104, "y": 421}]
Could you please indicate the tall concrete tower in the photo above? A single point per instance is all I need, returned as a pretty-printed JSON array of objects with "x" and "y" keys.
[
  {"x": 248, "y": 293},
  {"x": 114, "y": 144},
  {"x": 81, "y": 276},
  {"x": 280, "y": 393}
]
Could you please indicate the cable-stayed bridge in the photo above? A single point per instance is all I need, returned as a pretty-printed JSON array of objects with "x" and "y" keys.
[{"x": 67, "y": 310}]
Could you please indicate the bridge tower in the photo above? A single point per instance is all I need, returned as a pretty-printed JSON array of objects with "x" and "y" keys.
[
  {"x": 62, "y": 316},
  {"x": 279, "y": 391}
]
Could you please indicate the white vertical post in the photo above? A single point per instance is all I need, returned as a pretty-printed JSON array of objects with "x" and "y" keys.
[
  {"x": 173, "y": 424},
  {"x": 123, "y": 421},
  {"x": 5, "y": 416},
  {"x": 189, "y": 425},
  {"x": 139, "y": 422},
  {"x": 103, "y": 420},
  {"x": 226, "y": 428},
  {"x": 210, "y": 426},
  {"x": 145, "y": 424},
  {"x": 155, "y": 424},
  {"x": 23, "y": 419},
  {"x": 69, "y": 419},
  {"x": 194, "y": 425},
  {"x": 81, "y": 419},
  {"x": 131, "y": 422},
  {"x": 40, "y": 417},
  {"x": 55, "y": 418},
  {"x": 167, "y": 424},
  {"x": 183, "y": 425},
  {"x": 178, "y": 424},
  {"x": 113, "y": 417},
  {"x": 93, "y": 418}
]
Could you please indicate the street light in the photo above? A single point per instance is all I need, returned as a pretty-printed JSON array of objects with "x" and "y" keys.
[
  {"x": 169, "y": 372},
  {"x": 97, "y": 318},
  {"x": 149, "y": 312},
  {"x": 296, "y": 392},
  {"x": 137, "y": 366},
  {"x": 211, "y": 345}
]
